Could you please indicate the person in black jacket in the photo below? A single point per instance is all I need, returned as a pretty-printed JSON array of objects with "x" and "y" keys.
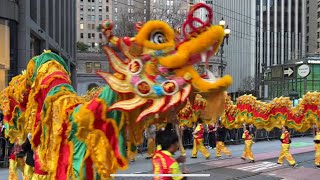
[
  {"x": 29, "y": 165},
  {"x": 221, "y": 135}
]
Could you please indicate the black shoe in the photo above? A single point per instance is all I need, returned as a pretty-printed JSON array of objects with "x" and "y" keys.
[
  {"x": 148, "y": 157},
  {"x": 318, "y": 166},
  {"x": 252, "y": 161},
  {"x": 243, "y": 158},
  {"x": 279, "y": 163},
  {"x": 194, "y": 157}
]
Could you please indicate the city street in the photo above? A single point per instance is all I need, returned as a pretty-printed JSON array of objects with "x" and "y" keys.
[{"x": 266, "y": 167}]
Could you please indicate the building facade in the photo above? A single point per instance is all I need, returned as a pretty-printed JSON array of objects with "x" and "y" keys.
[
  {"x": 27, "y": 27},
  {"x": 87, "y": 66},
  {"x": 238, "y": 51},
  {"x": 280, "y": 39},
  {"x": 312, "y": 27},
  {"x": 90, "y": 14}
]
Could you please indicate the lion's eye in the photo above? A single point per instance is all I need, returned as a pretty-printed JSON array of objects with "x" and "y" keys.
[{"x": 157, "y": 38}]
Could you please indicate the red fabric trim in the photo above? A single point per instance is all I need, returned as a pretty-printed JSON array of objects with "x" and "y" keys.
[
  {"x": 89, "y": 169},
  {"x": 40, "y": 97},
  {"x": 106, "y": 127},
  {"x": 37, "y": 165},
  {"x": 63, "y": 161}
]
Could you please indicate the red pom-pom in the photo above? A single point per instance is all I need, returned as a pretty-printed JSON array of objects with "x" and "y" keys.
[{"x": 127, "y": 41}]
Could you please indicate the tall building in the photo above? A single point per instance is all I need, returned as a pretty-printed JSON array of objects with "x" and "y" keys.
[
  {"x": 280, "y": 40},
  {"x": 90, "y": 14},
  {"x": 27, "y": 27},
  {"x": 312, "y": 26},
  {"x": 238, "y": 51}
]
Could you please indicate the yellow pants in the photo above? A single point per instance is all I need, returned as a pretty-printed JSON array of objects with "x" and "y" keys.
[
  {"x": 27, "y": 172},
  {"x": 14, "y": 165},
  {"x": 221, "y": 148},
  {"x": 198, "y": 146},
  {"x": 286, "y": 154},
  {"x": 151, "y": 146},
  {"x": 247, "y": 149},
  {"x": 317, "y": 155}
]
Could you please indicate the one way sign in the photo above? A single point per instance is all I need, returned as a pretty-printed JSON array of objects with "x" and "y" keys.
[{"x": 288, "y": 71}]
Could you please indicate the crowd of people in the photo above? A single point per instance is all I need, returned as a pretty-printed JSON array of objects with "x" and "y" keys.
[{"x": 168, "y": 143}]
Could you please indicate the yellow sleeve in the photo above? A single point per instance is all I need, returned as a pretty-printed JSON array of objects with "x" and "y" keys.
[
  {"x": 282, "y": 136},
  {"x": 198, "y": 128},
  {"x": 243, "y": 135},
  {"x": 175, "y": 169}
]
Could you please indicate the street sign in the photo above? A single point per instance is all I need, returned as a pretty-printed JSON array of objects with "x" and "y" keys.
[
  {"x": 304, "y": 70},
  {"x": 288, "y": 72}
]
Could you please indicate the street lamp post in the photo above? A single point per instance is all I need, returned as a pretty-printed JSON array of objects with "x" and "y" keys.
[{"x": 226, "y": 36}]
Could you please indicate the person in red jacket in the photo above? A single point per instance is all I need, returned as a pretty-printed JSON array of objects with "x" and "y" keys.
[
  {"x": 198, "y": 141},
  {"x": 163, "y": 161},
  {"x": 248, "y": 141},
  {"x": 285, "y": 154}
]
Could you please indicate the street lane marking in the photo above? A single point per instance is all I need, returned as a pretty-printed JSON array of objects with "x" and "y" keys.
[{"x": 259, "y": 167}]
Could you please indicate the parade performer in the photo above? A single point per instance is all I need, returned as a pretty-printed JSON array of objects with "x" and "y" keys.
[
  {"x": 248, "y": 141},
  {"x": 317, "y": 148},
  {"x": 151, "y": 138},
  {"x": 29, "y": 162},
  {"x": 79, "y": 139},
  {"x": 198, "y": 141},
  {"x": 212, "y": 136},
  {"x": 221, "y": 135},
  {"x": 163, "y": 161},
  {"x": 285, "y": 147},
  {"x": 16, "y": 161}
]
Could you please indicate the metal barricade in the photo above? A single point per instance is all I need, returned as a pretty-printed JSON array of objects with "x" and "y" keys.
[{"x": 4, "y": 152}]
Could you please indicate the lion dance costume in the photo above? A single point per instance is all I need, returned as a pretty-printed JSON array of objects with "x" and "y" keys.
[{"x": 85, "y": 138}]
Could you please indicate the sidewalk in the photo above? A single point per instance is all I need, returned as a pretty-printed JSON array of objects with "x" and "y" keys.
[{"x": 262, "y": 150}]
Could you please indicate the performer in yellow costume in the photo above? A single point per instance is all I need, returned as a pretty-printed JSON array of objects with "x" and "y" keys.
[
  {"x": 151, "y": 136},
  {"x": 198, "y": 141},
  {"x": 220, "y": 147},
  {"x": 248, "y": 141},
  {"x": 286, "y": 140},
  {"x": 317, "y": 149}
]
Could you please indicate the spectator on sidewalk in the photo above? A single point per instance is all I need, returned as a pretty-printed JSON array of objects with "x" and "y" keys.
[
  {"x": 285, "y": 147},
  {"x": 163, "y": 161},
  {"x": 248, "y": 141},
  {"x": 221, "y": 135},
  {"x": 212, "y": 136},
  {"x": 198, "y": 141},
  {"x": 151, "y": 136},
  {"x": 317, "y": 148}
]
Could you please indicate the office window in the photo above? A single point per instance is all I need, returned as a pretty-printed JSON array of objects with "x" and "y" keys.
[
  {"x": 92, "y": 0},
  {"x": 100, "y": 17},
  {"x": 89, "y": 0},
  {"x": 88, "y": 67},
  {"x": 81, "y": 26},
  {"x": 319, "y": 14},
  {"x": 93, "y": 17},
  {"x": 115, "y": 2},
  {"x": 89, "y": 26},
  {"x": 100, "y": 35},
  {"x": 81, "y": 0},
  {"x": 116, "y": 18},
  {"x": 100, "y": 8},
  {"x": 81, "y": 35},
  {"x": 81, "y": 17},
  {"x": 318, "y": 24},
  {"x": 93, "y": 35},
  {"x": 89, "y": 9},
  {"x": 116, "y": 10},
  {"x": 107, "y": 16},
  {"x": 307, "y": 48},
  {"x": 318, "y": 45},
  {"x": 107, "y": 1},
  {"x": 307, "y": 10},
  {"x": 89, "y": 35},
  {"x": 107, "y": 8},
  {"x": 307, "y": 19},
  {"x": 97, "y": 65},
  {"x": 93, "y": 26},
  {"x": 92, "y": 45},
  {"x": 144, "y": 11},
  {"x": 130, "y": 2},
  {"x": 89, "y": 17},
  {"x": 318, "y": 35},
  {"x": 92, "y": 8},
  {"x": 81, "y": 7},
  {"x": 307, "y": 29},
  {"x": 145, "y": 3},
  {"x": 307, "y": 39},
  {"x": 100, "y": 1}
]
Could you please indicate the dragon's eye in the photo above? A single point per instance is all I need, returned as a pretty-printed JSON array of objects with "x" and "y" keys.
[{"x": 157, "y": 38}]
